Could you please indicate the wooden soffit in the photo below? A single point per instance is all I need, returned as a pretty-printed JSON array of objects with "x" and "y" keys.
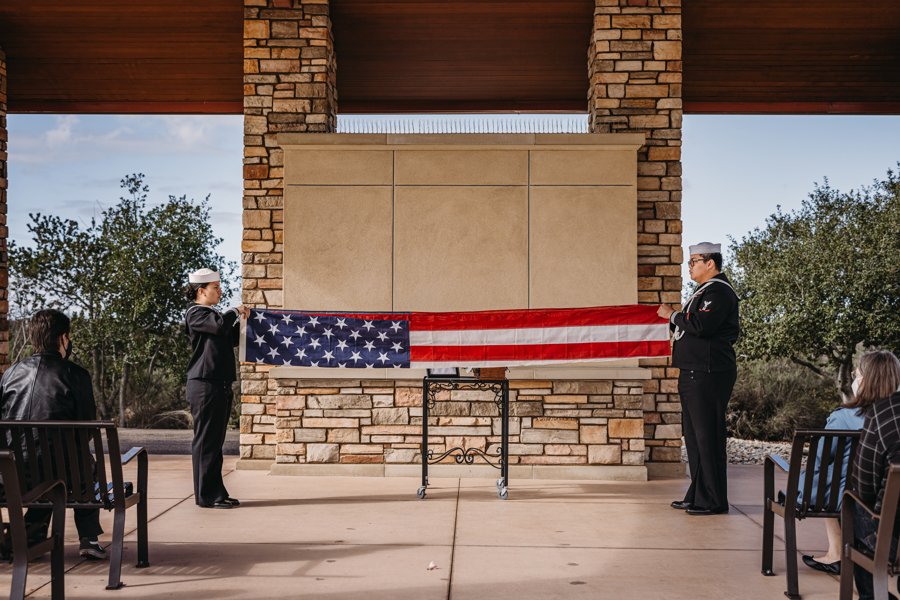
[{"x": 171, "y": 56}]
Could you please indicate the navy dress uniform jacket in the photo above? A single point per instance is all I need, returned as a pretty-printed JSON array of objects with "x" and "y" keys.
[
  {"x": 711, "y": 327},
  {"x": 213, "y": 336}
]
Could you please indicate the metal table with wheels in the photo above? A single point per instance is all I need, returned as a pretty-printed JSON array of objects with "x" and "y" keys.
[{"x": 431, "y": 386}]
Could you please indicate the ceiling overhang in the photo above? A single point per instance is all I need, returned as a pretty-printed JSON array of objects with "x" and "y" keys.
[{"x": 438, "y": 56}]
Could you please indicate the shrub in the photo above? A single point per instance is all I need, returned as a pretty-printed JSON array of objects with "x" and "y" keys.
[{"x": 772, "y": 398}]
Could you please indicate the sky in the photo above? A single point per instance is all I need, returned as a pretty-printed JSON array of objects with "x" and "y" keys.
[{"x": 736, "y": 169}]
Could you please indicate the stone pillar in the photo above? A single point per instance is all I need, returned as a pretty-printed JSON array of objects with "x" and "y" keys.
[
  {"x": 289, "y": 86},
  {"x": 4, "y": 230},
  {"x": 634, "y": 63}
]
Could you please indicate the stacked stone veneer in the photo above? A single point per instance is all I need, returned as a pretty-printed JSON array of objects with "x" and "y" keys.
[
  {"x": 635, "y": 68},
  {"x": 4, "y": 230},
  {"x": 359, "y": 421},
  {"x": 289, "y": 86}
]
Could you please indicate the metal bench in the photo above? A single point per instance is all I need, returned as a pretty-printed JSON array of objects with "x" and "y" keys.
[
  {"x": 833, "y": 445},
  {"x": 15, "y": 533},
  {"x": 62, "y": 450},
  {"x": 883, "y": 567}
]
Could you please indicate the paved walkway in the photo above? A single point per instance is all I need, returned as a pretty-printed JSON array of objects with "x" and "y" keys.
[{"x": 342, "y": 537}]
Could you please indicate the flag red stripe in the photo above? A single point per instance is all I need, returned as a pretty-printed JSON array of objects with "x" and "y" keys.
[
  {"x": 633, "y": 314},
  {"x": 535, "y": 318},
  {"x": 539, "y": 352}
]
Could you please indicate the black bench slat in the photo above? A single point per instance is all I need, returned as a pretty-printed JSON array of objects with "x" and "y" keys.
[
  {"x": 834, "y": 492},
  {"x": 62, "y": 449}
]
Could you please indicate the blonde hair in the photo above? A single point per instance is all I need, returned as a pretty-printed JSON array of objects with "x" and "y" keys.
[{"x": 880, "y": 372}]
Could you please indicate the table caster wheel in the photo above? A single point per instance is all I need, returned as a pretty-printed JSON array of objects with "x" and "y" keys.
[
  {"x": 500, "y": 483},
  {"x": 421, "y": 493},
  {"x": 503, "y": 493}
]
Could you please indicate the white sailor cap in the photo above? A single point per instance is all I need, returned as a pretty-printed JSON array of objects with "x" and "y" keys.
[
  {"x": 705, "y": 248},
  {"x": 203, "y": 276}
]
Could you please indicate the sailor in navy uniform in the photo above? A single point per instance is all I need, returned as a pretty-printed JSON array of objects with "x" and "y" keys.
[
  {"x": 705, "y": 330},
  {"x": 210, "y": 373}
]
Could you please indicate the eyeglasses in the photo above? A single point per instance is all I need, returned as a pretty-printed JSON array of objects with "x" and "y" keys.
[{"x": 696, "y": 260}]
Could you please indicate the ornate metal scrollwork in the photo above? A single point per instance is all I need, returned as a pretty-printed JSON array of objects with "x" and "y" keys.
[
  {"x": 467, "y": 456},
  {"x": 435, "y": 387}
]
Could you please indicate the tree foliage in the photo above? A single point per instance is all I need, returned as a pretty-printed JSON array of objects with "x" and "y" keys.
[
  {"x": 121, "y": 278},
  {"x": 819, "y": 283}
]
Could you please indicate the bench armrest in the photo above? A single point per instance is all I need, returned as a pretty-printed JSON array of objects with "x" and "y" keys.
[
  {"x": 42, "y": 490},
  {"x": 779, "y": 462},
  {"x": 856, "y": 500},
  {"x": 128, "y": 456}
]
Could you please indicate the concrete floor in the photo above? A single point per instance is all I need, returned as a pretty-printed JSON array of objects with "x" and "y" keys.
[{"x": 343, "y": 537}]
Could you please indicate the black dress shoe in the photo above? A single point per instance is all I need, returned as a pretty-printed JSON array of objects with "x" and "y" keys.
[
  {"x": 831, "y": 568},
  {"x": 693, "y": 510},
  {"x": 219, "y": 504},
  {"x": 232, "y": 501},
  {"x": 680, "y": 504}
]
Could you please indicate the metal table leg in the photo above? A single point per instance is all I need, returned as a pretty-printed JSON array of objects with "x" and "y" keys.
[
  {"x": 500, "y": 389},
  {"x": 421, "y": 492}
]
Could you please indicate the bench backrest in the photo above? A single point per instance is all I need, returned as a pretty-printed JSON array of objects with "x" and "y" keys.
[
  {"x": 822, "y": 494},
  {"x": 68, "y": 450}
]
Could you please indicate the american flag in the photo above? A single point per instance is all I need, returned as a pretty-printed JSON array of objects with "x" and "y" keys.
[{"x": 417, "y": 340}]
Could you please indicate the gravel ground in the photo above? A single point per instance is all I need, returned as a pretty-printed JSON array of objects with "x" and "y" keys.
[{"x": 749, "y": 452}]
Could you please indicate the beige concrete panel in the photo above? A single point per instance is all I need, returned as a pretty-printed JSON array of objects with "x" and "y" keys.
[
  {"x": 461, "y": 248},
  {"x": 583, "y": 246},
  {"x": 461, "y": 167},
  {"x": 338, "y": 167},
  {"x": 330, "y": 139},
  {"x": 337, "y": 248},
  {"x": 583, "y": 167},
  {"x": 634, "y": 140}
]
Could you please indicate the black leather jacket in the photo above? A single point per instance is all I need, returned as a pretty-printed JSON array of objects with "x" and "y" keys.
[{"x": 47, "y": 387}]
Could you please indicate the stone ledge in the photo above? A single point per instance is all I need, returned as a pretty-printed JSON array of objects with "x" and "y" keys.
[
  {"x": 623, "y": 373},
  {"x": 516, "y": 472},
  {"x": 564, "y": 141}
]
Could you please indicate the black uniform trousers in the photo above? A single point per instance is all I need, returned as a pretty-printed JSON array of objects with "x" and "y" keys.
[
  {"x": 210, "y": 402},
  {"x": 704, "y": 398}
]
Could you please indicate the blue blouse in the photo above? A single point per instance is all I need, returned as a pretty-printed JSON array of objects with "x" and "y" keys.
[{"x": 841, "y": 418}]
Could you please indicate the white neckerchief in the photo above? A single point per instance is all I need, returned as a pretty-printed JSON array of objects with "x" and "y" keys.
[{"x": 687, "y": 305}]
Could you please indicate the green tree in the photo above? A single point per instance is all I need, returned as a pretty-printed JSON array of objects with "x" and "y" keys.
[
  {"x": 121, "y": 277},
  {"x": 819, "y": 283}
]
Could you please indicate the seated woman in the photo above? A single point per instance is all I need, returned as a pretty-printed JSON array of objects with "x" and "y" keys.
[
  {"x": 848, "y": 416},
  {"x": 879, "y": 446}
]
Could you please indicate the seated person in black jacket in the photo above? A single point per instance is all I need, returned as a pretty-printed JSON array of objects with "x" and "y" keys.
[{"x": 47, "y": 386}]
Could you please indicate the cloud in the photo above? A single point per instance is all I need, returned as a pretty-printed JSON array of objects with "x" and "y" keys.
[
  {"x": 189, "y": 132},
  {"x": 225, "y": 218},
  {"x": 69, "y": 139},
  {"x": 61, "y": 134}
]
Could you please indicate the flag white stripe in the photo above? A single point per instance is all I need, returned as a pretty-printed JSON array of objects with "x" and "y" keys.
[
  {"x": 509, "y": 363},
  {"x": 541, "y": 335}
]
